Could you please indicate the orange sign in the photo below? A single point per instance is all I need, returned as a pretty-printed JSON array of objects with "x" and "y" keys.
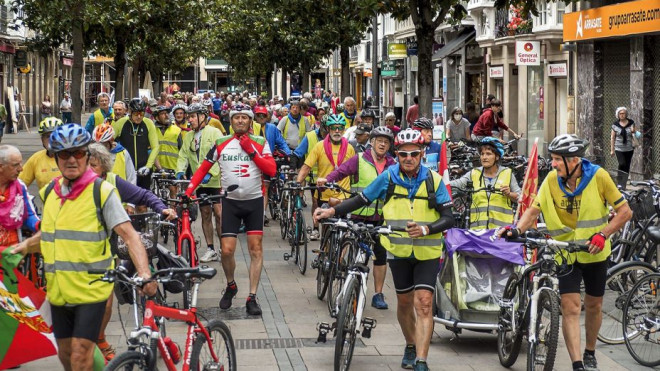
[{"x": 630, "y": 18}]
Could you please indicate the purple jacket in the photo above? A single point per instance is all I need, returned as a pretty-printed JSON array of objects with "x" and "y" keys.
[{"x": 350, "y": 167}]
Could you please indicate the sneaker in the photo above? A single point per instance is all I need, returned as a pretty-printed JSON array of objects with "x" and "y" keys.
[
  {"x": 227, "y": 296},
  {"x": 209, "y": 256},
  {"x": 314, "y": 235},
  {"x": 266, "y": 221},
  {"x": 589, "y": 362},
  {"x": 252, "y": 307},
  {"x": 378, "y": 301},
  {"x": 409, "y": 355},
  {"x": 421, "y": 366}
]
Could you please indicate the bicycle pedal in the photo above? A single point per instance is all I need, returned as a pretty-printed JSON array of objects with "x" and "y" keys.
[
  {"x": 315, "y": 264},
  {"x": 286, "y": 256},
  {"x": 323, "y": 328},
  {"x": 368, "y": 324}
]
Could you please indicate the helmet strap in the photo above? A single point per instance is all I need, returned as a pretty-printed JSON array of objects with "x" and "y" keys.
[{"x": 570, "y": 174}]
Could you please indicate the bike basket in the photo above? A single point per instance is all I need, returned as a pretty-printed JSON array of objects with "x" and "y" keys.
[
  {"x": 147, "y": 227},
  {"x": 167, "y": 259},
  {"x": 642, "y": 206},
  {"x": 193, "y": 208}
]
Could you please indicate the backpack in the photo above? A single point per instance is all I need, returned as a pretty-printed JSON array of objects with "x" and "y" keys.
[{"x": 430, "y": 190}]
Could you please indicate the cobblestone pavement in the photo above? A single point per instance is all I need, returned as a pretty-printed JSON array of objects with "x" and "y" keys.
[{"x": 284, "y": 337}]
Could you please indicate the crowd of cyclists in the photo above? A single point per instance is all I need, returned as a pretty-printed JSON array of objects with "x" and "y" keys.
[{"x": 92, "y": 177}]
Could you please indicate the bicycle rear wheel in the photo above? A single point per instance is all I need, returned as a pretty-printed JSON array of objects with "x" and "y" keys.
[
  {"x": 301, "y": 242},
  {"x": 620, "y": 280},
  {"x": 130, "y": 360},
  {"x": 509, "y": 339},
  {"x": 222, "y": 344},
  {"x": 641, "y": 321},
  {"x": 347, "y": 326},
  {"x": 541, "y": 353},
  {"x": 273, "y": 198},
  {"x": 323, "y": 269}
]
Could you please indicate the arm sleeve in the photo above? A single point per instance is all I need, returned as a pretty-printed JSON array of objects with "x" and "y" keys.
[
  {"x": 280, "y": 143},
  {"x": 513, "y": 185},
  {"x": 461, "y": 183},
  {"x": 445, "y": 222},
  {"x": 89, "y": 126},
  {"x": 301, "y": 150},
  {"x": 351, "y": 204},
  {"x": 153, "y": 142},
  {"x": 348, "y": 168},
  {"x": 182, "y": 160},
  {"x": 131, "y": 175},
  {"x": 135, "y": 195}
]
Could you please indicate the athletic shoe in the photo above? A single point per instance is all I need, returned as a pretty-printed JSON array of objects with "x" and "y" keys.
[
  {"x": 227, "y": 296},
  {"x": 378, "y": 301},
  {"x": 314, "y": 235},
  {"x": 409, "y": 355},
  {"x": 266, "y": 221},
  {"x": 209, "y": 256},
  {"x": 421, "y": 366},
  {"x": 252, "y": 307},
  {"x": 589, "y": 361}
]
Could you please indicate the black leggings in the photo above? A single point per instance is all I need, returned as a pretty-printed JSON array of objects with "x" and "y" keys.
[{"x": 624, "y": 159}]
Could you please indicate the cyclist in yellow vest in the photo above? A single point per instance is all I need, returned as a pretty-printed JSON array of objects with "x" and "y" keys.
[
  {"x": 101, "y": 114},
  {"x": 490, "y": 209},
  {"x": 363, "y": 169},
  {"x": 41, "y": 166},
  {"x": 573, "y": 199},
  {"x": 179, "y": 117},
  {"x": 74, "y": 239},
  {"x": 169, "y": 138},
  {"x": 420, "y": 215},
  {"x": 294, "y": 126},
  {"x": 350, "y": 112}
]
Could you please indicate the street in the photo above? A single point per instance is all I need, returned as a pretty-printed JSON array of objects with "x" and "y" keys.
[{"x": 284, "y": 337}]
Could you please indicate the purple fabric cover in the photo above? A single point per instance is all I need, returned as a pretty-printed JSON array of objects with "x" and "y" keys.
[{"x": 479, "y": 242}]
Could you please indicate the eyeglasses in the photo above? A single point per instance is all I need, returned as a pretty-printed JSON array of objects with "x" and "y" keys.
[
  {"x": 260, "y": 116},
  {"x": 405, "y": 154},
  {"x": 65, "y": 155},
  {"x": 381, "y": 141},
  {"x": 336, "y": 128}
]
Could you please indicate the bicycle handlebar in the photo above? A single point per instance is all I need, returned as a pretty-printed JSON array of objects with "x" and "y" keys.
[
  {"x": 359, "y": 226},
  {"x": 163, "y": 275},
  {"x": 534, "y": 239}
]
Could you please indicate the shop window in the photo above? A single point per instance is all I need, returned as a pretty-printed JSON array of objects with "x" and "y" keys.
[{"x": 535, "y": 104}]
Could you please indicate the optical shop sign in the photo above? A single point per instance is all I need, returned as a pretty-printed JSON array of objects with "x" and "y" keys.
[
  {"x": 628, "y": 18},
  {"x": 528, "y": 53}
]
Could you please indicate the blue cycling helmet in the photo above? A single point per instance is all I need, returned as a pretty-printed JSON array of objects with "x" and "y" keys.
[
  {"x": 493, "y": 143},
  {"x": 68, "y": 136}
]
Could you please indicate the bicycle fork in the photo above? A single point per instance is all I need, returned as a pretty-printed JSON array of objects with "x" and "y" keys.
[{"x": 531, "y": 337}]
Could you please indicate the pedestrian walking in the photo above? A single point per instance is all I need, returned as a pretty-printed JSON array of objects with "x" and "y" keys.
[
  {"x": 65, "y": 108},
  {"x": 623, "y": 140},
  {"x": 46, "y": 107}
]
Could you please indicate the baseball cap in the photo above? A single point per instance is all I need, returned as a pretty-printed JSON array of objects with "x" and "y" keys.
[{"x": 363, "y": 128}]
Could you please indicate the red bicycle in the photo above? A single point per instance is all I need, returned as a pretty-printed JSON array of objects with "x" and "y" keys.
[{"x": 209, "y": 347}]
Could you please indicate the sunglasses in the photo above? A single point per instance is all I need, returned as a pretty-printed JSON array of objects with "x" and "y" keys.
[
  {"x": 260, "y": 115},
  {"x": 405, "y": 154},
  {"x": 336, "y": 128},
  {"x": 65, "y": 155}
]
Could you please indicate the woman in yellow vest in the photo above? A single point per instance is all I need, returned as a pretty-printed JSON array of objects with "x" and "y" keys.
[
  {"x": 74, "y": 239},
  {"x": 574, "y": 200},
  {"x": 420, "y": 215},
  {"x": 490, "y": 209}
]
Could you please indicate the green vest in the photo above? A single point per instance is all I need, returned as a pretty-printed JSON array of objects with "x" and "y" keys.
[
  {"x": 169, "y": 147},
  {"x": 302, "y": 126},
  {"x": 367, "y": 173},
  {"x": 99, "y": 118},
  {"x": 494, "y": 211},
  {"x": 399, "y": 210}
]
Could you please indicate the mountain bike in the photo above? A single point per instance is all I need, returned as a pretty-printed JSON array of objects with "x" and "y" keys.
[
  {"x": 530, "y": 304},
  {"x": 297, "y": 228},
  {"x": 641, "y": 321},
  {"x": 285, "y": 206},
  {"x": 209, "y": 347}
]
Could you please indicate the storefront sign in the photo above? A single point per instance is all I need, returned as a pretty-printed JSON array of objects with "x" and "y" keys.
[
  {"x": 528, "y": 53},
  {"x": 496, "y": 72},
  {"x": 367, "y": 72},
  {"x": 388, "y": 68},
  {"x": 67, "y": 61},
  {"x": 557, "y": 70},
  {"x": 628, "y": 18},
  {"x": 7, "y": 48},
  {"x": 411, "y": 45},
  {"x": 397, "y": 51},
  {"x": 20, "y": 59},
  {"x": 336, "y": 72}
]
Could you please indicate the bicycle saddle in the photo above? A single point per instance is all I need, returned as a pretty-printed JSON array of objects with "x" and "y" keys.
[{"x": 654, "y": 234}]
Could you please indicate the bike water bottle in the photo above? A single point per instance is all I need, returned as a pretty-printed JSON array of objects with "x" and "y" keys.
[{"x": 173, "y": 348}]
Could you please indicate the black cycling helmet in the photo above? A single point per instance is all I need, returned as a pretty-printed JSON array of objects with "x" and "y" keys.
[
  {"x": 382, "y": 131},
  {"x": 422, "y": 123},
  {"x": 160, "y": 109},
  {"x": 137, "y": 105},
  {"x": 367, "y": 113},
  {"x": 568, "y": 145},
  {"x": 198, "y": 108}
]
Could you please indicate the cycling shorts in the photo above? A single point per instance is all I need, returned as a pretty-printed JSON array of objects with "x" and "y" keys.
[
  {"x": 78, "y": 321},
  {"x": 209, "y": 192},
  {"x": 144, "y": 182},
  {"x": 593, "y": 274},
  {"x": 249, "y": 212},
  {"x": 411, "y": 274}
]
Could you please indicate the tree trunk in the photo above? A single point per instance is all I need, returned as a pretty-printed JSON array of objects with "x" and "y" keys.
[
  {"x": 305, "y": 76},
  {"x": 157, "y": 76},
  {"x": 285, "y": 84},
  {"x": 257, "y": 84},
  {"x": 425, "y": 70},
  {"x": 120, "y": 63},
  {"x": 345, "y": 85},
  {"x": 77, "y": 68}
]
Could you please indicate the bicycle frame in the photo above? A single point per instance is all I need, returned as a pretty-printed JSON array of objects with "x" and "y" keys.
[
  {"x": 185, "y": 233},
  {"x": 534, "y": 301}
]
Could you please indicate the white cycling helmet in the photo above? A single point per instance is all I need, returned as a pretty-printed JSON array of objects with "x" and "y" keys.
[{"x": 409, "y": 136}]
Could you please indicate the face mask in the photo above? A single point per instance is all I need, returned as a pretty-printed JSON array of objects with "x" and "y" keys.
[{"x": 457, "y": 117}]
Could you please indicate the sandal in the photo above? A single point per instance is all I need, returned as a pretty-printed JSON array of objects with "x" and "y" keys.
[{"x": 107, "y": 350}]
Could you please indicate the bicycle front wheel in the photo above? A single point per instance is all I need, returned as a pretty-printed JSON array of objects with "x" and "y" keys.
[
  {"x": 188, "y": 287},
  {"x": 323, "y": 269},
  {"x": 338, "y": 274},
  {"x": 641, "y": 321},
  {"x": 301, "y": 242},
  {"x": 347, "y": 326},
  {"x": 541, "y": 353},
  {"x": 222, "y": 344},
  {"x": 620, "y": 280},
  {"x": 130, "y": 360},
  {"x": 510, "y": 333}
]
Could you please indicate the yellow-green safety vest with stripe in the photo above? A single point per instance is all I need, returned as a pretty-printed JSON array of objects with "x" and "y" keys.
[
  {"x": 312, "y": 139},
  {"x": 302, "y": 127},
  {"x": 399, "y": 210},
  {"x": 99, "y": 118},
  {"x": 367, "y": 173},
  {"x": 120, "y": 164},
  {"x": 494, "y": 211},
  {"x": 169, "y": 147},
  {"x": 73, "y": 241},
  {"x": 592, "y": 218}
]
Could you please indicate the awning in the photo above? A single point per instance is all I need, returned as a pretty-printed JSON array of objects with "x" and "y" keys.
[
  {"x": 452, "y": 46},
  {"x": 216, "y": 67}
]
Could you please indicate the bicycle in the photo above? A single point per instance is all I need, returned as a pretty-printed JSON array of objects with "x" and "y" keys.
[
  {"x": 297, "y": 228},
  {"x": 163, "y": 184},
  {"x": 533, "y": 310},
  {"x": 465, "y": 203},
  {"x": 209, "y": 347},
  {"x": 641, "y": 321},
  {"x": 275, "y": 190},
  {"x": 286, "y": 207}
]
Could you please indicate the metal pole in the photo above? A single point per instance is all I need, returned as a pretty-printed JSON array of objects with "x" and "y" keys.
[{"x": 375, "y": 94}]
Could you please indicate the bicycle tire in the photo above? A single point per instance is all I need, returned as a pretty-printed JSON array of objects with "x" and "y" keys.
[
  {"x": 127, "y": 361},
  {"x": 322, "y": 277},
  {"x": 347, "y": 326},
  {"x": 639, "y": 312},
  {"x": 187, "y": 285},
  {"x": 547, "y": 336},
  {"x": 273, "y": 197},
  {"x": 301, "y": 242},
  {"x": 284, "y": 218},
  {"x": 338, "y": 274},
  {"x": 620, "y": 280},
  {"x": 508, "y": 348},
  {"x": 217, "y": 327}
]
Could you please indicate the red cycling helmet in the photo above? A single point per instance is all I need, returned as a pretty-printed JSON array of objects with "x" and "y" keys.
[{"x": 261, "y": 109}]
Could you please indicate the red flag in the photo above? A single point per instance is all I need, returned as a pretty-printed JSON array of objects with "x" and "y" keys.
[
  {"x": 531, "y": 183},
  {"x": 444, "y": 164}
]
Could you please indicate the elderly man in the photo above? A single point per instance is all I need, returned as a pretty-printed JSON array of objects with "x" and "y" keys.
[
  {"x": 350, "y": 112},
  {"x": 101, "y": 114},
  {"x": 65, "y": 108},
  {"x": 294, "y": 125},
  {"x": 120, "y": 109},
  {"x": 361, "y": 141}
]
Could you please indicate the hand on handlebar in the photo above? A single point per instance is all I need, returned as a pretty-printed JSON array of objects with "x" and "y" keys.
[
  {"x": 596, "y": 243},
  {"x": 508, "y": 232},
  {"x": 320, "y": 182},
  {"x": 416, "y": 230},
  {"x": 170, "y": 214},
  {"x": 321, "y": 213},
  {"x": 149, "y": 288}
]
